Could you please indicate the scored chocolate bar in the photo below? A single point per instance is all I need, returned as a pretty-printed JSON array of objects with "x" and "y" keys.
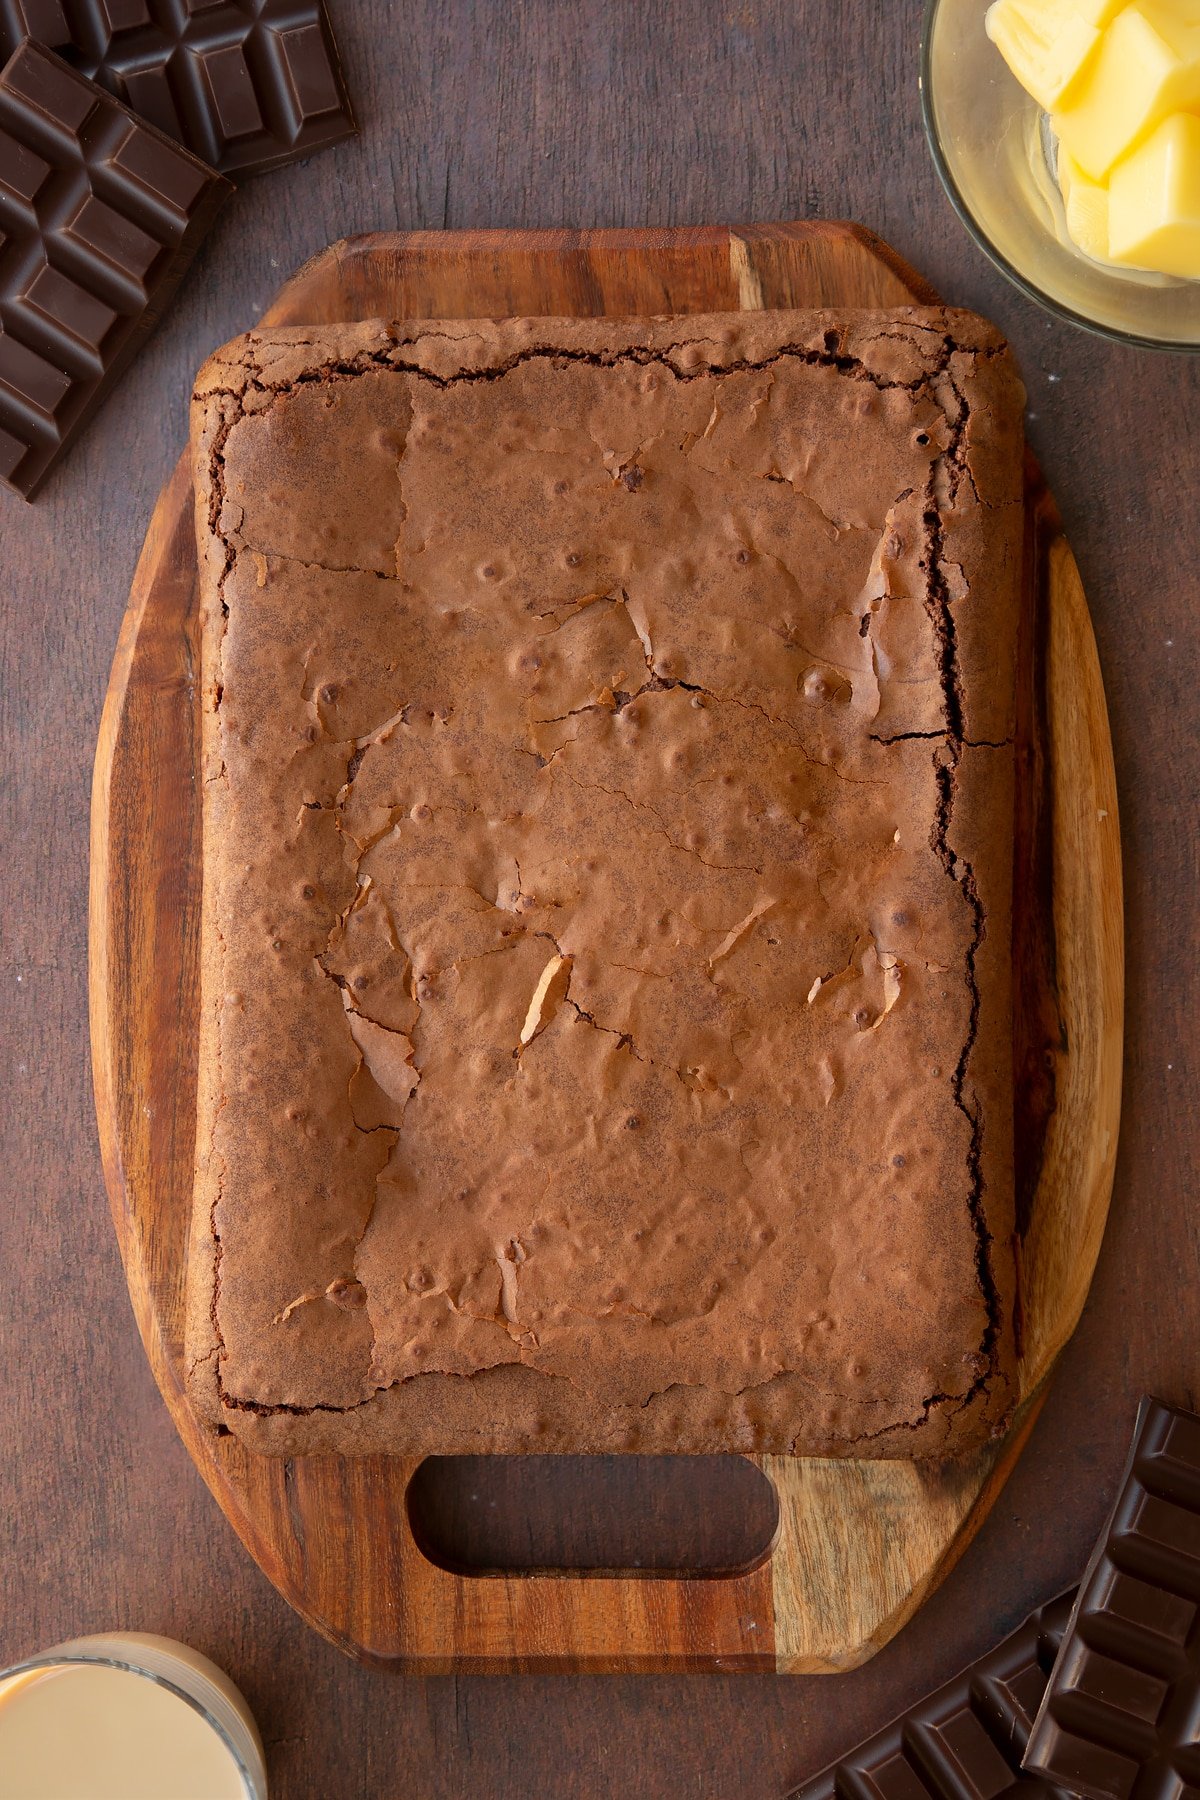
[
  {"x": 963, "y": 1742},
  {"x": 245, "y": 84},
  {"x": 1121, "y": 1715},
  {"x": 99, "y": 216}
]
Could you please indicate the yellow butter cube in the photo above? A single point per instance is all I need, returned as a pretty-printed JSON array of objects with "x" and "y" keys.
[
  {"x": 1146, "y": 66},
  {"x": 1154, "y": 201},
  {"x": 1047, "y": 42},
  {"x": 1085, "y": 203}
]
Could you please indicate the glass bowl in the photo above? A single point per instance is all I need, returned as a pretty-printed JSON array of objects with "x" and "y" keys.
[
  {"x": 176, "y": 1669},
  {"x": 994, "y": 151}
]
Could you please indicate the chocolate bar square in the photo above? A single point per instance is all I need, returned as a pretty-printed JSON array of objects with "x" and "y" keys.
[
  {"x": 244, "y": 84},
  {"x": 99, "y": 216},
  {"x": 1120, "y": 1719}
]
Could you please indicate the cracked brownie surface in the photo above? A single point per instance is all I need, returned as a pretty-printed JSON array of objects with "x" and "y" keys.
[{"x": 608, "y": 817}]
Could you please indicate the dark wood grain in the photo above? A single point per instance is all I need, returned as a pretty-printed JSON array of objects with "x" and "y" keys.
[{"x": 546, "y": 113}]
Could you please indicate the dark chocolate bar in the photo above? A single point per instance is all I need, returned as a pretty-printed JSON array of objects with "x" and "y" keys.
[
  {"x": 99, "y": 216},
  {"x": 965, "y": 1741},
  {"x": 1121, "y": 1716},
  {"x": 245, "y": 84}
]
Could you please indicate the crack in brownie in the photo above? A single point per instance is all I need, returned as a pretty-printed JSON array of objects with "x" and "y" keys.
[{"x": 608, "y": 826}]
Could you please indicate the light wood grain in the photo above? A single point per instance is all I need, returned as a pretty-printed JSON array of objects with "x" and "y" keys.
[
  {"x": 862, "y": 1543},
  {"x": 1059, "y": 1248},
  {"x": 859, "y": 1545}
]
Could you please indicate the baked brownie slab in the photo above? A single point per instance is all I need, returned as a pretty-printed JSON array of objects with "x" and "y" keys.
[{"x": 608, "y": 822}]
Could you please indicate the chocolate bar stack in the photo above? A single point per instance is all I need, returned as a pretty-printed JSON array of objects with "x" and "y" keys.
[
  {"x": 121, "y": 122},
  {"x": 1098, "y": 1694}
]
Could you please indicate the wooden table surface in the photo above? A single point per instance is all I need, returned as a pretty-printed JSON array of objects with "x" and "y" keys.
[{"x": 563, "y": 112}]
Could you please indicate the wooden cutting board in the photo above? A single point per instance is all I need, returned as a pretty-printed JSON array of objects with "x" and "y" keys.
[{"x": 859, "y": 1544}]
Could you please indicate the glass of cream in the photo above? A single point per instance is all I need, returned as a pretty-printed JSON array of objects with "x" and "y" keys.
[
  {"x": 997, "y": 157},
  {"x": 126, "y": 1717}
]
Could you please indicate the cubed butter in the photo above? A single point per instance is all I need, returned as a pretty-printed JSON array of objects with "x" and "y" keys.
[
  {"x": 1085, "y": 203},
  {"x": 1047, "y": 42},
  {"x": 1147, "y": 66},
  {"x": 1154, "y": 201}
]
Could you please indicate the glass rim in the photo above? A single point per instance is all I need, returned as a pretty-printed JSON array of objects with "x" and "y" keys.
[
  {"x": 1113, "y": 333},
  {"x": 77, "y": 1654}
]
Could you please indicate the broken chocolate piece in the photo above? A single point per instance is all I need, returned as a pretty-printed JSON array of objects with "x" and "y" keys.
[
  {"x": 1121, "y": 1716},
  {"x": 99, "y": 217},
  {"x": 244, "y": 84}
]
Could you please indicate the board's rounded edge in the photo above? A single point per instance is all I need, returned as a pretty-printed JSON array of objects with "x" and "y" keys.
[
  {"x": 1058, "y": 1254},
  {"x": 175, "y": 494}
]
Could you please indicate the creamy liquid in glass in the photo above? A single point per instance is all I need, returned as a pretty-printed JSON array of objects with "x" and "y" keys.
[{"x": 81, "y": 1731}]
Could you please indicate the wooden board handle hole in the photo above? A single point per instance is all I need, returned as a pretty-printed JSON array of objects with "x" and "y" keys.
[{"x": 702, "y": 1516}]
